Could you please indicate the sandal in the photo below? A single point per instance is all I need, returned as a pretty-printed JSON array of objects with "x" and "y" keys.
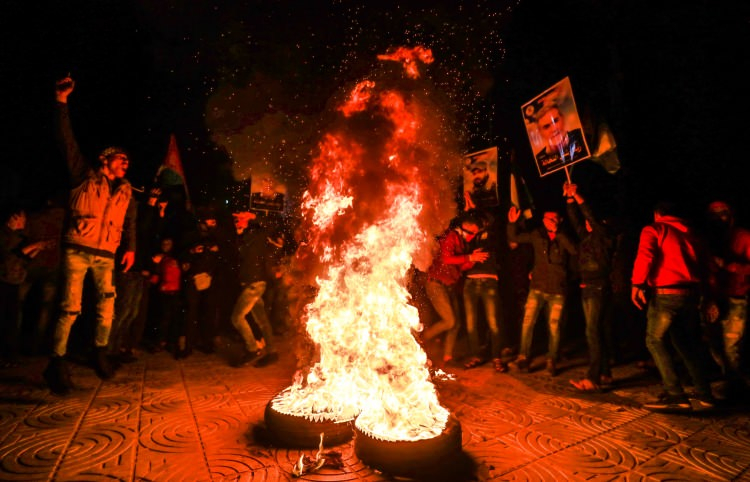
[
  {"x": 500, "y": 367},
  {"x": 585, "y": 386},
  {"x": 473, "y": 362}
]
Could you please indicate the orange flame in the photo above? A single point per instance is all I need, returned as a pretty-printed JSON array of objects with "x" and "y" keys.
[
  {"x": 408, "y": 57},
  {"x": 358, "y": 99},
  {"x": 370, "y": 366}
]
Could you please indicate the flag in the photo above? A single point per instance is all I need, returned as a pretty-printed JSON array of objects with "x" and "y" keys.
[
  {"x": 606, "y": 149},
  {"x": 515, "y": 198},
  {"x": 170, "y": 172}
]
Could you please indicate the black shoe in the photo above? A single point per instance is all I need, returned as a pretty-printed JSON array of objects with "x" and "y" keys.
[
  {"x": 102, "y": 366},
  {"x": 247, "y": 358},
  {"x": 57, "y": 376},
  {"x": 670, "y": 404},
  {"x": 551, "y": 368},
  {"x": 522, "y": 364},
  {"x": 182, "y": 354},
  {"x": 266, "y": 359},
  {"x": 500, "y": 365},
  {"x": 208, "y": 349},
  {"x": 127, "y": 357}
]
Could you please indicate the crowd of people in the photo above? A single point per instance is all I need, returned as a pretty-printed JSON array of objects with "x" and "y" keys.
[
  {"x": 135, "y": 271},
  {"x": 140, "y": 271},
  {"x": 690, "y": 284}
]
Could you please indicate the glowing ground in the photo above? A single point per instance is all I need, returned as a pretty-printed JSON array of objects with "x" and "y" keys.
[{"x": 195, "y": 420}]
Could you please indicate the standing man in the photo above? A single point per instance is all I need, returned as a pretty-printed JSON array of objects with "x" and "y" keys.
[
  {"x": 731, "y": 265},
  {"x": 444, "y": 281},
  {"x": 253, "y": 272},
  {"x": 667, "y": 277},
  {"x": 102, "y": 214},
  {"x": 549, "y": 279},
  {"x": 481, "y": 288},
  {"x": 596, "y": 249}
]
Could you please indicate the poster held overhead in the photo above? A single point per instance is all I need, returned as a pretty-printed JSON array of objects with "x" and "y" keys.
[
  {"x": 480, "y": 179},
  {"x": 554, "y": 129}
]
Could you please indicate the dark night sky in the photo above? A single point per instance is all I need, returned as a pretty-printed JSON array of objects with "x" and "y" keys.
[{"x": 667, "y": 79}]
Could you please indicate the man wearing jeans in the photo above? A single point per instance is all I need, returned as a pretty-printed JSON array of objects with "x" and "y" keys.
[
  {"x": 102, "y": 213},
  {"x": 731, "y": 285},
  {"x": 481, "y": 288},
  {"x": 253, "y": 272},
  {"x": 669, "y": 267},
  {"x": 595, "y": 253},
  {"x": 444, "y": 278},
  {"x": 549, "y": 279}
]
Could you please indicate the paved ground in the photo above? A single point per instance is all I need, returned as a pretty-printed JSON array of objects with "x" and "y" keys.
[{"x": 195, "y": 420}]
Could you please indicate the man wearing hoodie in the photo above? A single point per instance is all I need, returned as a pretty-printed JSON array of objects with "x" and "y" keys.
[{"x": 669, "y": 278}]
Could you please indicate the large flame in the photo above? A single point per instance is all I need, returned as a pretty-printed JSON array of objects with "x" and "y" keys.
[{"x": 370, "y": 366}]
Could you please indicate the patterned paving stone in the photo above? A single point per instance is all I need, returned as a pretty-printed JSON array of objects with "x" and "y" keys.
[
  {"x": 108, "y": 448},
  {"x": 707, "y": 461},
  {"x": 663, "y": 469},
  {"x": 33, "y": 455},
  {"x": 201, "y": 420}
]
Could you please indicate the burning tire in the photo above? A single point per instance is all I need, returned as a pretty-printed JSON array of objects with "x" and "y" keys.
[
  {"x": 298, "y": 432},
  {"x": 413, "y": 459}
]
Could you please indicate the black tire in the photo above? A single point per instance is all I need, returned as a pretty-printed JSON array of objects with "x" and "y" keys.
[
  {"x": 417, "y": 459},
  {"x": 298, "y": 432}
]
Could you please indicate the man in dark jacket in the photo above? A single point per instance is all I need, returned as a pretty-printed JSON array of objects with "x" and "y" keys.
[
  {"x": 730, "y": 248},
  {"x": 16, "y": 252},
  {"x": 481, "y": 288},
  {"x": 595, "y": 253},
  {"x": 549, "y": 279},
  {"x": 253, "y": 255},
  {"x": 100, "y": 207}
]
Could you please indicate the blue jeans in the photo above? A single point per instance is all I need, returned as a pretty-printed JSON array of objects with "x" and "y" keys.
[
  {"x": 594, "y": 299},
  {"x": 250, "y": 300},
  {"x": 75, "y": 265},
  {"x": 484, "y": 291},
  {"x": 130, "y": 287},
  {"x": 535, "y": 303},
  {"x": 678, "y": 316},
  {"x": 445, "y": 301},
  {"x": 733, "y": 331}
]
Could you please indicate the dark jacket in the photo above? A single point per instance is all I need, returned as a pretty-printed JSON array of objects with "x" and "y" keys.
[
  {"x": 595, "y": 249},
  {"x": 253, "y": 255},
  {"x": 98, "y": 207},
  {"x": 551, "y": 258},
  {"x": 486, "y": 240},
  {"x": 13, "y": 262}
]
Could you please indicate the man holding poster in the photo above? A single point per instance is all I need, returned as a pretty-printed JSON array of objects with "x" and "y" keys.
[{"x": 554, "y": 129}]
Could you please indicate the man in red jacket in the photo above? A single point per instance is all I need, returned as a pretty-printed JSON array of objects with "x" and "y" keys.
[
  {"x": 444, "y": 278},
  {"x": 667, "y": 277}
]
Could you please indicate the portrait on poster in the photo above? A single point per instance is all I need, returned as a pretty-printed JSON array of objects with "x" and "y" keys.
[
  {"x": 480, "y": 179},
  {"x": 267, "y": 194},
  {"x": 554, "y": 129}
]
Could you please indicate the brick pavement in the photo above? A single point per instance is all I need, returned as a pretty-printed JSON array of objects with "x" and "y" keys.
[{"x": 196, "y": 420}]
